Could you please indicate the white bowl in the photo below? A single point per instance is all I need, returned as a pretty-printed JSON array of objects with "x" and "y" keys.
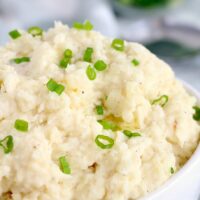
[{"x": 185, "y": 184}]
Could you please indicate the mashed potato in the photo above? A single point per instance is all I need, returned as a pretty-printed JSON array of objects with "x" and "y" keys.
[{"x": 146, "y": 136}]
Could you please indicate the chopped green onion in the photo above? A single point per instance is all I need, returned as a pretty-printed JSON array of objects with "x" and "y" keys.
[
  {"x": 78, "y": 25},
  {"x": 162, "y": 101},
  {"x": 21, "y": 60},
  {"x": 88, "y": 54},
  {"x": 85, "y": 26},
  {"x": 172, "y": 170},
  {"x": 100, "y": 65},
  {"x": 99, "y": 110},
  {"x": 131, "y": 134},
  {"x": 64, "y": 62},
  {"x": 53, "y": 86},
  {"x": 91, "y": 74},
  {"x": 135, "y": 62},
  {"x": 21, "y": 125},
  {"x": 7, "y": 144},
  {"x": 108, "y": 125},
  {"x": 59, "y": 89},
  {"x": 35, "y": 31},
  {"x": 118, "y": 44},
  {"x": 68, "y": 53},
  {"x": 196, "y": 115},
  {"x": 14, "y": 34},
  {"x": 104, "y": 141},
  {"x": 64, "y": 165}
]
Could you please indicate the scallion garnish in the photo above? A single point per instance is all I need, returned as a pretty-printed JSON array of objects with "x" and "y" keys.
[
  {"x": 104, "y": 142},
  {"x": 196, "y": 115},
  {"x": 85, "y": 26},
  {"x": 162, "y": 101},
  {"x": 21, "y": 125},
  {"x": 14, "y": 34},
  {"x": 99, "y": 110},
  {"x": 172, "y": 170},
  {"x": 35, "y": 31},
  {"x": 100, "y": 65},
  {"x": 64, "y": 62},
  {"x": 59, "y": 89},
  {"x": 135, "y": 62},
  {"x": 118, "y": 44},
  {"x": 53, "y": 86},
  {"x": 7, "y": 144},
  {"x": 68, "y": 53},
  {"x": 64, "y": 165},
  {"x": 88, "y": 54},
  {"x": 91, "y": 74},
  {"x": 108, "y": 125},
  {"x": 21, "y": 60},
  {"x": 131, "y": 134}
]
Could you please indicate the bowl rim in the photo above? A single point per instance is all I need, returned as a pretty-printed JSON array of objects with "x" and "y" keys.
[{"x": 194, "y": 159}]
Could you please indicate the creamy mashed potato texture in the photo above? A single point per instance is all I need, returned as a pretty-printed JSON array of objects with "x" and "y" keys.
[{"x": 104, "y": 120}]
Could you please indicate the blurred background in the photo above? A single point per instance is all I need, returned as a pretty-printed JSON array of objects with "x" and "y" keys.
[{"x": 169, "y": 28}]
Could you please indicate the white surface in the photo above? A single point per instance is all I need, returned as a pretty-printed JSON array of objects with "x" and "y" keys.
[
  {"x": 187, "y": 69},
  {"x": 185, "y": 184}
]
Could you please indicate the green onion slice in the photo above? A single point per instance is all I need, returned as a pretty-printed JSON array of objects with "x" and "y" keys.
[
  {"x": 108, "y": 125},
  {"x": 68, "y": 53},
  {"x": 100, "y": 65},
  {"x": 64, "y": 62},
  {"x": 88, "y": 54},
  {"x": 85, "y": 26},
  {"x": 14, "y": 34},
  {"x": 21, "y": 60},
  {"x": 53, "y": 86},
  {"x": 35, "y": 31},
  {"x": 196, "y": 115},
  {"x": 135, "y": 62},
  {"x": 21, "y": 125},
  {"x": 162, "y": 101},
  {"x": 64, "y": 165},
  {"x": 7, "y": 144},
  {"x": 78, "y": 25},
  {"x": 172, "y": 170},
  {"x": 99, "y": 110},
  {"x": 59, "y": 89},
  {"x": 104, "y": 142},
  {"x": 91, "y": 74},
  {"x": 118, "y": 44},
  {"x": 131, "y": 134}
]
